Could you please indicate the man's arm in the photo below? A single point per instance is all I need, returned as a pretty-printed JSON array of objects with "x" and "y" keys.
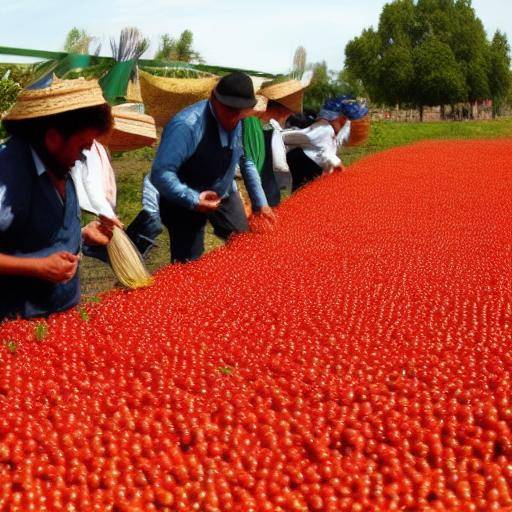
[
  {"x": 177, "y": 146},
  {"x": 253, "y": 185},
  {"x": 56, "y": 268}
]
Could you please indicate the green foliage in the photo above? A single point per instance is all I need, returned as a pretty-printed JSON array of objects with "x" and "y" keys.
[
  {"x": 499, "y": 70},
  {"x": 396, "y": 63},
  {"x": 9, "y": 90},
  {"x": 325, "y": 84},
  {"x": 40, "y": 331},
  {"x": 438, "y": 78},
  {"x": 180, "y": 50},
  {"x": 78, "y": 41}
]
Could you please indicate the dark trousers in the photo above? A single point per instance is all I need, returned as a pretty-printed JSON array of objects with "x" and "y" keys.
[
  {"x": 302, "y": 168},
  {"x": 268, "y": 176},
  {"x": 186, "y": 227},
  {"x": 144, "y": 230}
]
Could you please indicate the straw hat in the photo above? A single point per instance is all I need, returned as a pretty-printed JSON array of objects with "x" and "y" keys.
[
  {"x": 132, "y": 130},
  {"x": 289, "y": 93},
  {"x": 61, "y": 96},
  {"x": 261, "y": 103}
]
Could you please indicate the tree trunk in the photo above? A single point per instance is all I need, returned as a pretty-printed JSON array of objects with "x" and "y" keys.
[
  {"x": 421, "y": 113},
  {"x": 443, "y": 113}
]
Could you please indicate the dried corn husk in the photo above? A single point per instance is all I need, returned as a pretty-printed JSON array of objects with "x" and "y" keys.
[
  {"x": 164, "y": 97},
  {"x": 126, "y": 261}
]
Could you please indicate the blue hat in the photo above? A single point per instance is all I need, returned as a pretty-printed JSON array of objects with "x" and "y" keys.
[{"x": 343, "y": 106}]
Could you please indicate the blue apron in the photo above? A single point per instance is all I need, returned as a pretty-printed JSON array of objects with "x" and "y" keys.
[{"x": 43, "y": 224}]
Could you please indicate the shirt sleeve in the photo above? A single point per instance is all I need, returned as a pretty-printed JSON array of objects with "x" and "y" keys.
[
  {"x": 177, "y": 146},
  {"x": 296, "y": 137},
  {"x": 252, "y": 182},
  {"x": 343, "y": 136}
]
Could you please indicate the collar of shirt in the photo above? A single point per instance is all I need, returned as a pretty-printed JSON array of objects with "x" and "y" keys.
[
  {"x": 226, "y": 138},
  {"x": 40, "y": 168}
]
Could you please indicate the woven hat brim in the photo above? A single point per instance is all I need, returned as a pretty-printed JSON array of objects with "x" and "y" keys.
[
  {"x": 282, "y": 90},
  {"x": 63, "y": 96},
  {"x": 131, "y": 130}
]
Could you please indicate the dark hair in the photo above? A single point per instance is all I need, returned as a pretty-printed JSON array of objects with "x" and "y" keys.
[
  {"x": 69, "y": 123},
  {"x": 303, "y": 120}
]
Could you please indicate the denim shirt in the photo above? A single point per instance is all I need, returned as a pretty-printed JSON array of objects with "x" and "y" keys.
[
  {"x": 180, "y": 139},
  {"x": 34, "y": 223}
]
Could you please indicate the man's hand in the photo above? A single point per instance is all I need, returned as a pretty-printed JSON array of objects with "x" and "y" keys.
[
  {"x": 97, "y": 233},
  {"x": 209, "y": 201},
  {"x": 59, "y": 267},
  {"x": 263, "y": 220},
  {"x": 109, "y": 223}
]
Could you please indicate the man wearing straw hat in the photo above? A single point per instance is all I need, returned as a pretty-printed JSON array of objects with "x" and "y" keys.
[
  {"x": 40, "y": 232},
  {"x": 195, "y": 165}
]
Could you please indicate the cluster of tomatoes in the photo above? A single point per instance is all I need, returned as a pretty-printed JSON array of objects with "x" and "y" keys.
[{"x": 356, "y": 358}]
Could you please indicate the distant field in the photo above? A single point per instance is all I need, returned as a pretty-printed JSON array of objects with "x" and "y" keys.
[{"x": 130, "y": 168}]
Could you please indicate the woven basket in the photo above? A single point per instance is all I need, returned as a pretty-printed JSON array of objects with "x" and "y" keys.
[
  {"x": 132, "y": 130},
  {"x": 165, "y": 97},
  {"x": 359, "y": 131}
]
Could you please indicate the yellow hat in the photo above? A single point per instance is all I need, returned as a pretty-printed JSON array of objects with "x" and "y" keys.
[{"x": 61, "y": 96}]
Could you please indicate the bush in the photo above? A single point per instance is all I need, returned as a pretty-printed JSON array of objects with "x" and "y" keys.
[{"x": 8, "y": 92}]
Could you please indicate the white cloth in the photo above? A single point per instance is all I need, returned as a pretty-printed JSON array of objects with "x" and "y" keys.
[
  {"x": 319, "y": 142},
  {"x": 279, "y": 163},
  {"x": 95, "y": 182}
]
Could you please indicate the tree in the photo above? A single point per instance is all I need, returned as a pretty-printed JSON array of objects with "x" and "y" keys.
[
  {"x": 362, "y": 60},
  {"x": 324, "y": 85},
  {"x": 429, "y": 51},
  {"x": 181, "y": 49},
  {"x": 499, "y": 70},
  {"x": 438, "y": 77},
  {"x": 397, "y": 75},
  {"x": 78, "y": 41}
]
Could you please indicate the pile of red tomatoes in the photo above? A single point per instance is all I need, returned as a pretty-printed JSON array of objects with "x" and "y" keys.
[{"x": 357, "y": 358}]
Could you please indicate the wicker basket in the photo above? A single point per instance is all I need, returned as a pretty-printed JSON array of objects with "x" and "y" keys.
[
  {"x": 164, "y": 97},
  {"x": 359, "y": 131},
  {"x": 132, "y": 130}
]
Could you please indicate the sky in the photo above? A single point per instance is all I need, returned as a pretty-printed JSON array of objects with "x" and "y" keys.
[{"x": 260, "y": 35}]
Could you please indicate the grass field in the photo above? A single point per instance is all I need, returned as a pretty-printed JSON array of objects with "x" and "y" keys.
[{"x": 131, "y": 167}]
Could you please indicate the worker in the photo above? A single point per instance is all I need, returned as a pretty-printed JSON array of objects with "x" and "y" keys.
[
  {"x": 313, "y": 150},
  {"x": 195, "y": 166},
  {"x": 40, "y": 226}
]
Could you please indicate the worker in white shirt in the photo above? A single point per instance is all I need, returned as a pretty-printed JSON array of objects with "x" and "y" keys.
[{"x": 313, "y": 151}]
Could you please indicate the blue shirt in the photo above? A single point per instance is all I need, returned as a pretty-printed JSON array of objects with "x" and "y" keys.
[
  {"x": 35, "y": 222},
  {"x": 180, "y": 140}
]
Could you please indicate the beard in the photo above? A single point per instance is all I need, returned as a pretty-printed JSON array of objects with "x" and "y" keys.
[{"x": 53, "y": 165}]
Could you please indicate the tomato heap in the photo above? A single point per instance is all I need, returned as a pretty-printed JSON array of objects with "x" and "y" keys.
[{"x": 356, "y": 358}]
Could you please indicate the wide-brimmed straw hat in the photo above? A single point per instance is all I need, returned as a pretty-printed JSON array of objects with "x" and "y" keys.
[
  {"x": 289, "y": 93},
  {"x": 132, "y": 130},
  {"x": 61, "y": 96},
  {"x": 261, "y": 103}
]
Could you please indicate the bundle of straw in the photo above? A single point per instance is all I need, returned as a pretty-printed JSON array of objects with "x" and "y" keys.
[{"x": 126, "y": 261}]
